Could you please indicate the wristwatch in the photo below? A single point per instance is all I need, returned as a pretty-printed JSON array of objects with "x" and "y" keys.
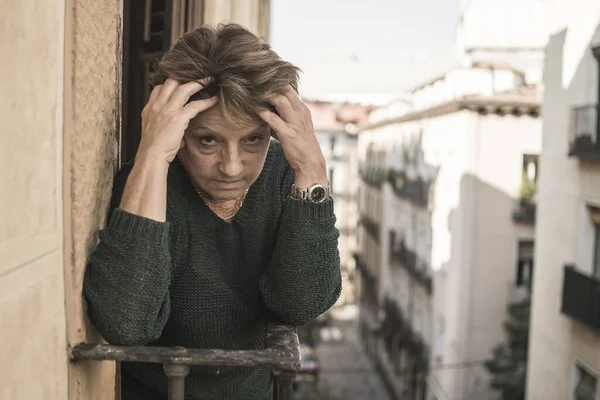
[{"x": 315, "y": 193}]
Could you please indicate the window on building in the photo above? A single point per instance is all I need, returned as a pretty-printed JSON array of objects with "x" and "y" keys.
[
  {"x": 529, "y": 177},
  {"x": 525, "y": 264},
  {"x": 586, "y": 384},
  {"x": 332, "y": 139},
  {"x": 530, "y": 166}
]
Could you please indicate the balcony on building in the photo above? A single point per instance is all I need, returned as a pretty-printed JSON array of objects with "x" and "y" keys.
[
  {"x": 373, "y": 176},
  {"x": 369, "y": 284},
  {"x": 405, "y": 258},
  {"x": 404, "y": 346},
  {"x": 415, "y": 191},
  {"x": 371, "y": 226},
  {"x": 525, "y": 212},
  {"x": 581, "y": 297},
  {"x": 583, "y": 132}
]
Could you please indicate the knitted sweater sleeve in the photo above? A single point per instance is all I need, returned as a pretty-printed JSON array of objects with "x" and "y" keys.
[
  {"x": 303, "y": 279},
  {"x": 126, "y": 283}
]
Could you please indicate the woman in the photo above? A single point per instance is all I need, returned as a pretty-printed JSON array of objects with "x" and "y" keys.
[{"x": 215, "y": 229}]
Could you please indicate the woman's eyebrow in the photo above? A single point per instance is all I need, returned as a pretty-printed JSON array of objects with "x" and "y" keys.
[
  {"x": 205, "y": 129},
  {"x": 263, "y": 129}
]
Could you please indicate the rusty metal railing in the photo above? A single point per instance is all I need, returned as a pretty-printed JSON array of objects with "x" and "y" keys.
[{"x": 282, "y": 354}]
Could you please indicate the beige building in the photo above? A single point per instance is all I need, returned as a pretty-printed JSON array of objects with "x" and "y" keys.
[
  {"x": 446, "y": 237},
  {"x": 564, "y": 352},
  {"x": 63, "y": 127}
]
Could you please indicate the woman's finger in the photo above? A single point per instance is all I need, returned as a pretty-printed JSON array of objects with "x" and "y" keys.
[
  {"x": 154, "y": 94},
  {"x": 183, "y": 93},
  {"x": 273, "y": 120},
  {"x": 283, "y": 106},
  {"x": 166, "y": 91},
  {"x": 293, "y": 97},
  {"x": 195, "y": 107}
]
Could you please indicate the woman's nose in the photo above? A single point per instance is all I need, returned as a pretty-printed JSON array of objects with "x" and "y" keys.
[{"x": 231, "y": 165}]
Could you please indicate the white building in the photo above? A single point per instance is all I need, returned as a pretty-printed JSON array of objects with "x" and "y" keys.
[
  {"x": 440, "y": 192},
  {"x": 564, "y": 352}
]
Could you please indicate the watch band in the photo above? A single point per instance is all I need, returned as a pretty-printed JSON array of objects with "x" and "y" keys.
[{"x": 315, "y": 193}]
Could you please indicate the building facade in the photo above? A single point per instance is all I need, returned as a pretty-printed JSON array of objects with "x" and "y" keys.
[
  {"x": 63, "y": 130},
  {"x": 444, "y": 229},
  {"x": 564, "y": 355}
]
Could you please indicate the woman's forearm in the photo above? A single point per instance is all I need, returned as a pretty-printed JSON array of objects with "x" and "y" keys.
[{"x": 145, "y": 193}]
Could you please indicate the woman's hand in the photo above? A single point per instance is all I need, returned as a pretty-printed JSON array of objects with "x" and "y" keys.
[
  {"x": 294, "y": 129},
  {"x": 166, "y": 117}
]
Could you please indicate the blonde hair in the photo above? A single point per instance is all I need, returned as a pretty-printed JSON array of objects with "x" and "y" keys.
[{"x": 245, "y": 69}]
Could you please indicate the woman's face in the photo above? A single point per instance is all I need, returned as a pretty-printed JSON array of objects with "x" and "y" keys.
[{"x": 224, "y": 158}]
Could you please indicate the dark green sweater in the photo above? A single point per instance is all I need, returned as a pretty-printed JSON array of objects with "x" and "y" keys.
[{"x": 197, "y": 281}]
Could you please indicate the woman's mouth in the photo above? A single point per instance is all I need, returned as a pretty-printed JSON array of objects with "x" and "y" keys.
[{"x": 229, "y": 185}]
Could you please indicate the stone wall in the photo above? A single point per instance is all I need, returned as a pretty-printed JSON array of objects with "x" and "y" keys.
[{"x": 93, "y": 36}]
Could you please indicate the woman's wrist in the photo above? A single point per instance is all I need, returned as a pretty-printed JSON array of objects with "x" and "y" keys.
[
  {"x": 145, "y": 193},
  {"x": 311, "y": 175}
]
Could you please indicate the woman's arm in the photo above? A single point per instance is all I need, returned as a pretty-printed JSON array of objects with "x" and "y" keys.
[
  {"x": 303, "y": 279},
  {"x": 127, "y": 279}
]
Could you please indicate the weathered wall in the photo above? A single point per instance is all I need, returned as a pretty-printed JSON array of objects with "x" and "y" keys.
[
  {"x": 32, "y": 337},
  {"x": 92, "y": 121}
]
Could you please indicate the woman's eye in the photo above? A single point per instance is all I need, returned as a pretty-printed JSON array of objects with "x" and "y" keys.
[
  {"x": 207, "y": 140},
  {"x": 254, "y": 139}
]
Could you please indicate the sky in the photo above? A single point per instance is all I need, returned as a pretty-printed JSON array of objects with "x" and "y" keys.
[{"x": 350, "y": 48}]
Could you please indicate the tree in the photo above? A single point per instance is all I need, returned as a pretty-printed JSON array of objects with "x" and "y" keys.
[{"x": 508, "y": 365}]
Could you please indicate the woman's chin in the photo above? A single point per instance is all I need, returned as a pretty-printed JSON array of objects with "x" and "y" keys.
[{"x": 225, "y": 194}]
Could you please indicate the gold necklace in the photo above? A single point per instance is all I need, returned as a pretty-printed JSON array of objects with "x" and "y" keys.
[
  {"x": 224, "y": 218},
  {"x": 237, "y": 207}
]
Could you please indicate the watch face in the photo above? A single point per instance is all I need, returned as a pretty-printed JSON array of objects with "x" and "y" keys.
[{"x": 317, "y": 194}]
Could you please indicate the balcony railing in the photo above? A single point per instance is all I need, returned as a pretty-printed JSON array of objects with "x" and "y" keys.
[
  {"x": 415, "y": 191},
  {"x": 372, "y": 176},
  {"x": 583, "y": 132},
  {"x": 396, "y": 323},
  {"x": 281, "y": 354},
  {"x": 525, "y": 213},
  {"x": 364, "y": 270},
  {"x": 368, "y": 287},
  {"x": 416, "y": 268},
  {"x": 581, "y": 297},
  {"x": 371, "y": 226}
]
